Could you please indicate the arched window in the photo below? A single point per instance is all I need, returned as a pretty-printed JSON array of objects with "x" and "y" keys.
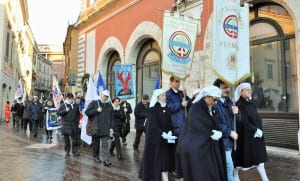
[
  {"x": 113, "y": 60},
  {"x": 272, "y": 56},
  {"x": 148, "y": 68}
]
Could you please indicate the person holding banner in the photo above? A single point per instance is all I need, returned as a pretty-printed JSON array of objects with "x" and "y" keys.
[
  {"x": 251, "y": 148},
  {"x": 200, "y": 148},
  {"x": 227, "y": 112},
  {"x": 69, "y": 112},
  {"x": 49, "y": 104},
  {"x": 101, "y": 111},
  {"x": 178, "y": 103}
]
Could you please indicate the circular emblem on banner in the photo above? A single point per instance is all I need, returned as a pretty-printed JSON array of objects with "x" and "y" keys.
[
  {"x": 230, "y": 26},
  {"x": 180, "y": 44},
  {"x": 231, "y": 61}
]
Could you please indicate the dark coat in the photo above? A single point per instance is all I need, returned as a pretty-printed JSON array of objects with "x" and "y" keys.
[
  {"x": 119, "y": 120},
  {"x": 19, "y": 109},
  {"x": 178, "y": 112},
  {"x": 104, "y": 118},
  {"x": 26, "y": 113},
  {"x": 200, "y": 157},
  {"x": 141, "y": 113},
  {"x": 70, "y": 119},
  {"x": 35, "y": 111},
  {"x": 250, "y": 151},
  {"x": 157, "y": 152}
]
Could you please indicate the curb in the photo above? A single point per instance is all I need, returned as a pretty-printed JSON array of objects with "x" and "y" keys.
[{"x": 283, "y": 152}]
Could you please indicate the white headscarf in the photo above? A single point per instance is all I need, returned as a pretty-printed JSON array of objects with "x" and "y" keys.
[
  {"x": 238, "y": 90},
  {"x": 154, "y": 98},
  {"x": 208, "y": 91}
]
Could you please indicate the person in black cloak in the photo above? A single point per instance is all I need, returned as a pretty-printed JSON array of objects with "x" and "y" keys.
[
  {"x": 159, "y": 145},
  {"x": 251, "y": 148},
  {"x": 200, "y": 148}
]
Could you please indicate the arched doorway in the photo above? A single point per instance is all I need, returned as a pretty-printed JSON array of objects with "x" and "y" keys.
[
  {"x": 273, "y": 63},
  {"x": 114, "y": 59},
  {"x": 148, "y": 68}
]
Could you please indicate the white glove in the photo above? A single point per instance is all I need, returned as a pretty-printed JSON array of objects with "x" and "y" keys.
[
  {"x": 258, "y": 133},
  {"x": 111, "y": 134},
  {"x": 164, "y": 135},
  {"x": 171, "y": 139},
  {"x": 216, "y": 135}
]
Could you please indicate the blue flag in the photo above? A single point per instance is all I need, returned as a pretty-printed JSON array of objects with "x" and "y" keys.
[
  {"x": 100, "y": 84},
  {"x": 157, "y": 83}
]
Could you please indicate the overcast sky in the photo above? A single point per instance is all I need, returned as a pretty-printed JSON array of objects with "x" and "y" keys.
[{"x": 49, "y": 19}]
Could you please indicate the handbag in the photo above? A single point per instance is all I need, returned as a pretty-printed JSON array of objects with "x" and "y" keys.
[{"x": 91, "y": 127}]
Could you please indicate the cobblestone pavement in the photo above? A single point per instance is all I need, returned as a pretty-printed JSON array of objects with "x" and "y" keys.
[{"x": 23, "y": 157}]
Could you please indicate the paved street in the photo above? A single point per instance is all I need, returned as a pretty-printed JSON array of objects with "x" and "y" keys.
[{"x": 26, "y": 158}]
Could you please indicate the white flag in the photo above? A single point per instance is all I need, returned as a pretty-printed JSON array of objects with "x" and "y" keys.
[
  {"x": 19, "y": 90},
  {"x": 231, "y": 50},
  {"x": 91, "y": 95},
  {"x": 56, "y": 93}
]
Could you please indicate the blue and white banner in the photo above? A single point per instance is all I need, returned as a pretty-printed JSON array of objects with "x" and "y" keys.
[
  {"x": 179, "y": 37},
  {"x": 231, "y": 49},
  {"x": 100, "y": 85},
  {"x": 53, "y": 121},
  {"x": 56, "y": 93},
  {"x": 19, "y": 90},
  {"x": 124, "y": 81}
]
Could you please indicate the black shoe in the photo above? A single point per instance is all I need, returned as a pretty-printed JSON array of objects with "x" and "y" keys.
[
  {"x": 112, "y": 154},
  {"x": 125, "y": 144},
  {"x": 67, "y": 154},
  {"x": 120, "y": 157},
  {"x": 106, "y": 163},
  {"x": 97, "y": 159},
  {"x": 76, "y": 154}
]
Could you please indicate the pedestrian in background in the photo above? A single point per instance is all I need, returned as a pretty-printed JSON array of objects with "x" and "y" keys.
[
  {"x": 13, "y": 112},
  {"x": 26, "y": 114},
  {"x": 101, "y": 111},
  {"x": 141, "y": 113},
  {"x": 19, "y": 108},
  {"x": 157, "y": 159},
  {"x": 251, "y": 149},
  {"x": 69, "y": 112},
  {"x": 35, "y": 111},
  {"x": 7, "y": 110},
  {"x": 49, "y": 105},
  {"x": 128, "y": 110},
  {"x": 119, "y": 120},
  {"x": 227, "y": 112}
]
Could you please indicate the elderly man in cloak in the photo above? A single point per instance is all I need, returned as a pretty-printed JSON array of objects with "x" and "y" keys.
[{"x": 200, "y": 147}]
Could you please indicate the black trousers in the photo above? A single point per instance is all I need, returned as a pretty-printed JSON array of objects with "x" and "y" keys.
[
  {"x": 116, "y": 143},
  {"x": 137, "y": 139},
  {"x": 26, "y": 122},
  {"x": 71, "y": 142}
]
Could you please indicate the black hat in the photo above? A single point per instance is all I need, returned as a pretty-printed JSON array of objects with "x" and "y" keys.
[
  {"x": 69, "y": 95},
  {"x": 145, "y": 96}
]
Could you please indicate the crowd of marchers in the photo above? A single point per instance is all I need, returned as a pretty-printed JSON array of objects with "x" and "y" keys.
[{"x": 207, "y": 137}]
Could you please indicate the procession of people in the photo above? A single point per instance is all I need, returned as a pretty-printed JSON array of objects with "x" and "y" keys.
[{"x": 193, "y": 139}]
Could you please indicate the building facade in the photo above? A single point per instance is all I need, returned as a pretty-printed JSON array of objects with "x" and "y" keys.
[{"x": 114, "y": 32}]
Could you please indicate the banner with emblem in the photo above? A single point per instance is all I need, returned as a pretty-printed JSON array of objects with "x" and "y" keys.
[
  {"x": 53, "y": 121},
  {"x": 19, "y": 90},
  {"x": 56, "y": 93},
  {"x": 179, "y": 37},
  {"x": 124, "y": 81},
  {"x": 231, "y": 49}
]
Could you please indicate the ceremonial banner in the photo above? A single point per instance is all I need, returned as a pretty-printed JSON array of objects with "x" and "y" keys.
[
  {"x": 231, "y": 50},
  {"x": 179, "y": 37},
  {"x": 53, "y": 121},
  {"x": 56, "y": 93},
  {"x": 19, "y": 90},
  {"x": 91, "y": 95},
  {"x": 124, "y": 81}
]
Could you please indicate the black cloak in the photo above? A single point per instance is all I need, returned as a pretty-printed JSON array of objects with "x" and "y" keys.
[
  {"x": 250, "y": 151},
  {"x": 199, "y": 158},
  {"x": 158, "y": 153}
]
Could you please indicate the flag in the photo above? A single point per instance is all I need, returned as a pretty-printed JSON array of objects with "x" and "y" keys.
[
  {"x": 56, "y": 93},
  {"x": 124, "y": 81},
  {"x": 157, "y": 83},
  {"x": 91, "y": 95},
  {"x": 231, "y": 49},
  {"x": 179, "y": 38},
  {"x": 53, "y": 121},
  {"x": 19, "y": 90},
  {"x": 100, "y": 84}
]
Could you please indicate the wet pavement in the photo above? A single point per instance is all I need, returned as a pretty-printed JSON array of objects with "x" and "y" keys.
[{"x": 23, "y": 157}]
